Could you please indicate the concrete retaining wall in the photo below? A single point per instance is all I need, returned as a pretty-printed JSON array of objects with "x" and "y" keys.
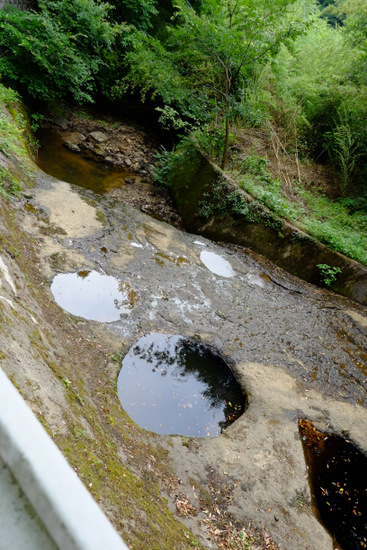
[{"x": 195, "y": 182}]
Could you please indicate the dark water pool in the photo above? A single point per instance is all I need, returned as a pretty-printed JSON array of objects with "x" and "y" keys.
[
  {"x": 172, "y": 385},
  {"x": 56, "y": 160},
  {"x": 338, "y": 480}
]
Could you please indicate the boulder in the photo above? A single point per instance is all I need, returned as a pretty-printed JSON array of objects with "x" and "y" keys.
[{"x": 99, "y": 137}]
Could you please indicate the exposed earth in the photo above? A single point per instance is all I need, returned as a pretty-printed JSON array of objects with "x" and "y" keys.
[{"x": 298, "y": 352}]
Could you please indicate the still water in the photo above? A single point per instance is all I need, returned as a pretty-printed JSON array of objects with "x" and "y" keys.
[
  {"x": 94, "y": 296},
  {"x": 172, "y": 385},
  {"x": 338, "y": 481},
  {"x": 216, "y": 264},
  {"x": 55, "y": 159}
]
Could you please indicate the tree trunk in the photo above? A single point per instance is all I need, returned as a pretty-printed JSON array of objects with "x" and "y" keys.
[{"x": 226, "y": 144}]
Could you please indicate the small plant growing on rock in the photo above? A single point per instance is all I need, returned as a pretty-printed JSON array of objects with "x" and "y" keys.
[{"x": 328, "y": 274}]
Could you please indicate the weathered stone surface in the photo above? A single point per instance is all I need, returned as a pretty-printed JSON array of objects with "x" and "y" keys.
[
  {"x": 72, "y": 146},
  {"x": 297, "y": 350},
  {"x": 63, "y": 123},
  {"x": 99, "y": 137},
  {"x": 280, "y": 335}
]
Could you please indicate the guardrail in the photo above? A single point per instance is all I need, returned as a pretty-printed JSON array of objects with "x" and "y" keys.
[{"x": 68, "y": 512}]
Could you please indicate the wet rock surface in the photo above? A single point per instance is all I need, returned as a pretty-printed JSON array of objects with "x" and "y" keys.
[
  {"x": 296, "y": 350},
  {"x": 122, "y": 146}
]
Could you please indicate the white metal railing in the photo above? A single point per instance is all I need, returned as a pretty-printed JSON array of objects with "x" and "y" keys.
[{"x": 70, "y": 515}]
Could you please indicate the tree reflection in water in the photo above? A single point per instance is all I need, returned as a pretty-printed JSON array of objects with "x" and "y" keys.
[{"x": 169, "y": 384}]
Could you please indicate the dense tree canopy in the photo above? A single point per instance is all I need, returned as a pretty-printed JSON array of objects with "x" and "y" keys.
[
  {"x": 58, "y": 50},
  {"x": 207, "y": 64}
]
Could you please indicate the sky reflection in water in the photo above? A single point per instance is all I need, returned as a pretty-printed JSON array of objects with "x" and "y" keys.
[
  {"x": 216, "y": 264},
  {"x": 92, "y": 295},
  {"x": 171, "y": 385}
]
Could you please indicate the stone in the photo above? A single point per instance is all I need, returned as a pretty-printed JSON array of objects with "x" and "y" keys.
[
  {"x": 64, "y": 124},
  {"x": 127, "y": 161},
  {"x": 129, "y": 180},
  {"x": 75, "y": 138},
  {"x": 72, "y": 146},
  {"x": 78, "y": 136},
  {"x": 99, "y": 137},
  {"x": 109, "y": 160},
  {"x": 98, "y": 150}
]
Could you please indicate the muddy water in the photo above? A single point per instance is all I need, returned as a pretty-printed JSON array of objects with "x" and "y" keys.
[
  {"x": 77, "y": 168},
  {"x": 338, "y": 479}
]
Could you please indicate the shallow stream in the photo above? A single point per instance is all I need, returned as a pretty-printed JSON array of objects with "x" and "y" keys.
[{"x": 81, "y": 169}]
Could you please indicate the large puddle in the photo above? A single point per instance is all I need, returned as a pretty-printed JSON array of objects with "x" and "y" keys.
[
  {"x": 172, "y": 385},
  {"x": 338, "y": 480},
  {"x": 93, "y": 295},
  {"x": 56, "y": 160}
]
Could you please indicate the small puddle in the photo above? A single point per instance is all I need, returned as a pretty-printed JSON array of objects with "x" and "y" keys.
[
  {"x": 338, "y": 481},
  {"x": 216, "y": 264},
  {"x": 56, "y": 160},
  {"x": 172, "y": 385},
  {"x": 94, "y": 296}
]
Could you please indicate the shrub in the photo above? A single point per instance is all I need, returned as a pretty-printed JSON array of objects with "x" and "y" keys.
[{"x": 56, "y": 51}]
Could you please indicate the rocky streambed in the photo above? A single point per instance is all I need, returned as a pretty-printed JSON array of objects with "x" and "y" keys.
[{"x": 297, "y": 351}]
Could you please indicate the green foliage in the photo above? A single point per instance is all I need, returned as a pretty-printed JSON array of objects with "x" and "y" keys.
[
  {"x": 117, "y": 357},
  {"x": 255, "y": 165},
  {"x": 221, "y": 201},
  {"x": 135, "y": 12},
  {"x": 211, "y": 139},
  {"x": 57, "y": 51},
  {"x": 201, "y": 71},
  {"x": 8, "y": 97},
  {"x": 36, "y": 121},
  {"x": 328, "y": 274},
  {"x": 312, "y": 91},
  {"x": 229, "y": 39},
  {"x": 343, "y": 149},
  {"x": 169, "y": 162},
  {"x": 310, "y": 77},
  {"x": 163, "y": 169},
  {"x": 12, "y": 122},
  {"x": 342, "y": 225},
  {"x": 259, "y": 182},
  {"x": 354, "y": 14},
  {"x": 8, "y": 184}
]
